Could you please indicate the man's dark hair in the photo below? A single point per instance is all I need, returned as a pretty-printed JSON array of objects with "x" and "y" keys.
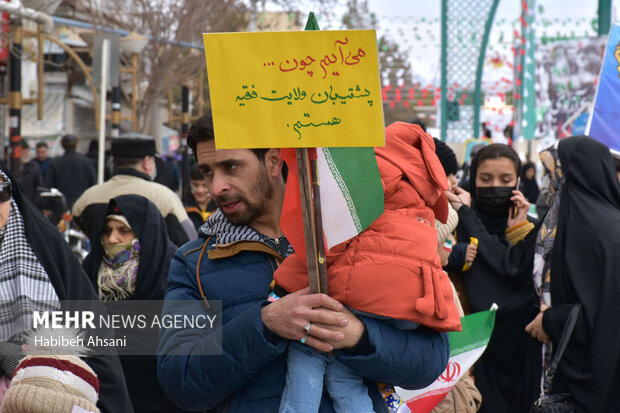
[
  {"x": 120, "y": 162},
  {"x": 68, "y": 142},
  {"x": 42, "y": 145},
  {"x": 202, "y": 131}
]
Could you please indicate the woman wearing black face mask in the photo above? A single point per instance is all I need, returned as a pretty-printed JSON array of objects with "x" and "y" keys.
[{"x": 501, "y": 274}]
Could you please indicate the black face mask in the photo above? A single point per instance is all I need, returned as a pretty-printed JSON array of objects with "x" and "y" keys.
[{"x": 494, "y": 200}]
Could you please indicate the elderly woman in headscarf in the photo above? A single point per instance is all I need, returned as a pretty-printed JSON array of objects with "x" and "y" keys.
[
  {"x": 577, "y": 263},
  {"x": 39, "y": 272},
  {"x": 129, "y": 261}
]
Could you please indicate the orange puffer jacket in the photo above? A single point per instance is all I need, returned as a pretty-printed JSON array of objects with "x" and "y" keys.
[{"x": 392, "y": 269}]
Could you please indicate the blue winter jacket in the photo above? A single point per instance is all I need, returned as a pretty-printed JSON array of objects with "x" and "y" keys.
[{"x": 249, "y": 375}]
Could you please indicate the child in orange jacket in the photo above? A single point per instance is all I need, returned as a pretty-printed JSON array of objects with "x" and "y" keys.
[{"x": 390, "y": 271}]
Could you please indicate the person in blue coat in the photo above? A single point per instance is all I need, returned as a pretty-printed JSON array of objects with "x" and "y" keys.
[{"x": 233, "y": 260}]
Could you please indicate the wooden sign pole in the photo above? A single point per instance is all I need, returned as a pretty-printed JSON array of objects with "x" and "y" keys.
[
  {"x": 313, "y": 228},
  {"x": 311, "y": 209},
  {"x": 318, "y": 219}
]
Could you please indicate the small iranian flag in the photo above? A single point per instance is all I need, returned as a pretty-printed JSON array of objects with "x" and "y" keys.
[
  {"x": 351, "y": 194},
  {"x": 466, "y": 347}
]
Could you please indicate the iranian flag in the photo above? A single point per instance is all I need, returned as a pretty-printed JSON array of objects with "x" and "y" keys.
[
  {"x": 351, "y": 191},
  {"x": 466, "y": 347},
  {"x": 351, "y": 194}
]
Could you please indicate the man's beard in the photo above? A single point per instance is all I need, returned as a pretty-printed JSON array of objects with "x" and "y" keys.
[{"x": 261, "y": 191}]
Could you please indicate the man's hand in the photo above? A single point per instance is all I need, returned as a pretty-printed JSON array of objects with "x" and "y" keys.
[
  {"x": 288, "y": 316},
  {"x": 352, "y": 331},
  {"x": 459, "y": 198},
  {"x": 535, "y": 328}
]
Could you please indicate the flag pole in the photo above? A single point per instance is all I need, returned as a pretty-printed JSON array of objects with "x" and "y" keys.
[
  {"x": 308, "y": 215},
  {"x": 311, "y": 209},
  {"x": 318, "y": 219}
]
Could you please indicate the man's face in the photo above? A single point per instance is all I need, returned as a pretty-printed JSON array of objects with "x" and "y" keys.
[
  {"x": 42, "y": 153},
  {"x": 237, "y": 180},
  {"x": 200, "y": 192},
  {"x": 25, "y": 154}
]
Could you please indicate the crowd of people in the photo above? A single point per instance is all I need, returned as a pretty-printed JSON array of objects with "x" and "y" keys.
[{"x": 396, "y": 289}]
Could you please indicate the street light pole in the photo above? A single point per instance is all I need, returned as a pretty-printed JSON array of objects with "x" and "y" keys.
[
  {"x": 134, "y": 92},
  {"x": 115, "y": 130},
  {"x": 604, "y": 17},
  {"x": 133, "y": 44},
  {"x": 15, "y": 98},
  {"x": 184, "y": 131},
  {"x": 105, "y": 56}
]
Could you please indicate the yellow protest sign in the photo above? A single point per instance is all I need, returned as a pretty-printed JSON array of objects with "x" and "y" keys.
[{"x": 295, "y": 89}]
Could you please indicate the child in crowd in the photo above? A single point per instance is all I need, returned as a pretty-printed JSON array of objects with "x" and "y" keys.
[
  {"x": 455, "y": 256},
  {"x": 390, "y": 271},
  {"x": 196, "y": 198}
]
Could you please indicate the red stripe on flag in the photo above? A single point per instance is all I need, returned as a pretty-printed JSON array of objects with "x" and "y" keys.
[{"x": 425, "y": 404}]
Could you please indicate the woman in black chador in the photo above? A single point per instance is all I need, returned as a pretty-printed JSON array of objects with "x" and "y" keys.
[
  {"x": 585, "y": 270},
  {"x": 39, "y": 272},
  {"x": 129, "y": 261},
  {"x": 528, "y": 185}
]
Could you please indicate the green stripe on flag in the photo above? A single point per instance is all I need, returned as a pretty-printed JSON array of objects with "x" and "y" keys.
[
  {"x": 477, "y": 329},
  {"x": 356, "y": 172}
]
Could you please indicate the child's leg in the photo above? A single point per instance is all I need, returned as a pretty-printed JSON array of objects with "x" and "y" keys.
[
  {"x": 347, "y": 390},
  {"x": 304, "y": 380}
]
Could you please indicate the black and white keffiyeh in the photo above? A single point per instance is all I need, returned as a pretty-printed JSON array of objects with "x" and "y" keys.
[
  {"x": 24, "y": 284},
  {"x": 218, "y": 225}
]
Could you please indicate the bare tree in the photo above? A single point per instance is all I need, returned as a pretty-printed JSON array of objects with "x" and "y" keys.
[
  {"x": 359, "y": 16},
  {"x": 164, "y": 65}
]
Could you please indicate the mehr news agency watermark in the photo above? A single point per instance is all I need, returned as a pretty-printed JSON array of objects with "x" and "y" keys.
[{"x": 127, "y": 327}]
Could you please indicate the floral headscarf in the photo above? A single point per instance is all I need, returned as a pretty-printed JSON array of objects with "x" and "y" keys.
[{"x": 546, "y": 235}]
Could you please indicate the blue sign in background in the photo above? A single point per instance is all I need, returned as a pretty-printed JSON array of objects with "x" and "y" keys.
[
  {"x": 579, "y": 125},
  {"x": 605, "y": 119}
]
